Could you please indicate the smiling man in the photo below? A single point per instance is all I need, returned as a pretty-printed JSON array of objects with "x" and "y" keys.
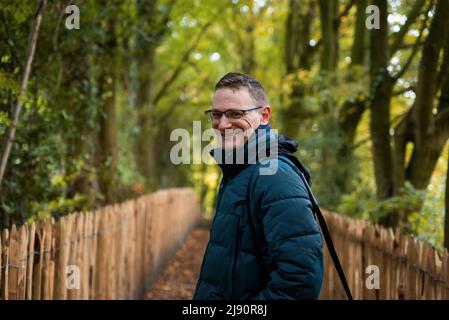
[
  {"x": 238, "y": 105},
  {"x": 264, "y": 240}
]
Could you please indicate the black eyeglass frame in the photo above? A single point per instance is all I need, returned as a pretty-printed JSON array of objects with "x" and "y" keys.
[{"x": 208, "y": 112}]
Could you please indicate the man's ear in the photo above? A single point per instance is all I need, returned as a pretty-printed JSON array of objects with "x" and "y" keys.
[{"x": 266, "y": 113}]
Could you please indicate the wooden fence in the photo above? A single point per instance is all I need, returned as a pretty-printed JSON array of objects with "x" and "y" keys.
[
  {"x": 408, "y": 268},
  {"x": 111, "y": 253}
]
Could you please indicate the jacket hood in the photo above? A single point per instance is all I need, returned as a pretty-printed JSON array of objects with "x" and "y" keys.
[{"x": 288, "y": 146}]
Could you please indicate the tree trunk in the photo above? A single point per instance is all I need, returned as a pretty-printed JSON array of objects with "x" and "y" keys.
[
  {"x": 298, "y": 55},
  {"x": 351, "y": 111},
  {"x": 381, "y": 90},
  {"x": 446, "y": 206},
  {"x": 107, "y": 152},
  {"x": 329, "y": 34},
  {"x": 248, "y": 46},
  {"x": 426, "y": 154},
  {"x": 427, "y": 132},
  {"x": 379, "y": 104},
  {"x": 144, "y": 145},
  {"x": 329, "y": 119},
  {"x": 31, "y": 49}
]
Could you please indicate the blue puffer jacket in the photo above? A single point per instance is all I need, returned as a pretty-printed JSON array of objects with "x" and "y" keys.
[{"x": 283, "y": 229}]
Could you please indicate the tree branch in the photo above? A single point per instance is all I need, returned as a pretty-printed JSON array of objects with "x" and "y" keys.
[
  {"x": 346, "y": 9},
  {"x": 407, "y": 46},
  {"x": 56, "y": 44},
  {"x": 184, "y": 59},
  {"x": 163, "y": 116},
  {"x": 404, "y": 90},
  {"x": 443, "y": 75},
  {"x": 412, "y": 15},
  {"x": 343, "y": 13},
  {"x": 426, "y": 88},
  {"x": 414, "y": 51},
  {"x": 31, "y": 48},
  {"x": 442, "y": 124}
]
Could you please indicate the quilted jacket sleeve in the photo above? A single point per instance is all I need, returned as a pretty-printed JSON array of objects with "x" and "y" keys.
[{"x": 293, "y": 239}]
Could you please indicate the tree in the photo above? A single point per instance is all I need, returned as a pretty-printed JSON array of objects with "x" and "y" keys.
[
  {"x": 351, "y": 111},
  {"x": 446, "y": 200},
  {"x": 298, "y": 57},
  {"x": 153, "y": 26},
  {"x": 425, "y": 129},
  {"x": 379, "y": 104},
  {"x": 31, "y": 48}
]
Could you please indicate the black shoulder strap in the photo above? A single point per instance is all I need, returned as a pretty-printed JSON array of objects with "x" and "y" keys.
[{"x": 323, "y": 225}]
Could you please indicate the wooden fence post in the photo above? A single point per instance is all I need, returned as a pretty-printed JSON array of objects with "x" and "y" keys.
[
  {"x": 22, "y": 262},
  {"x": 30, "y": 261},
  {"x": 13, "y": 264},
  {"x": 5, "y": 259}
]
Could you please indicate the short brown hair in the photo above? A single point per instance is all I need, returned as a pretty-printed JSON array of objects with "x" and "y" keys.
[{"x": 236, "y": 80}]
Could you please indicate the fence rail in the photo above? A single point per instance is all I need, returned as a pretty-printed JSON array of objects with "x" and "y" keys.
[
  {"x": 408, "y": 268},
  {"x": 112, "y": 253},
  {"x": 116, "y": 252}
]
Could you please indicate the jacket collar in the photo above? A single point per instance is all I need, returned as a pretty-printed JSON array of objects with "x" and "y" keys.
[{"x": 248, "y": 153}]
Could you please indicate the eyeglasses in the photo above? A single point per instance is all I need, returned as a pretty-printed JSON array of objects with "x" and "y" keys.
[{"x": 231, "y": 114}]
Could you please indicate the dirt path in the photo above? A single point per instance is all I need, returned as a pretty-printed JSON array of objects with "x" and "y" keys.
[{"x": 178, "y": 280}]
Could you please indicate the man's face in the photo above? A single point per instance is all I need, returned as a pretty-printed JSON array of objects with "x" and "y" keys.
[{"x": 235, "y": 132}]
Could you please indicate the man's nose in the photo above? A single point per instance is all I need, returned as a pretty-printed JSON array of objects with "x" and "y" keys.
[{"x": 224, "y": 123}]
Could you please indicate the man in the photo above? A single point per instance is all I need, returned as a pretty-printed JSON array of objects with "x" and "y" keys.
[{"x": 264, "y": 240}]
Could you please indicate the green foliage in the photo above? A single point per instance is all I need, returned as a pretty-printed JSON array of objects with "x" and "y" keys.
[
  {"x": 363, "y": 204},
  {"x": 19, "y": 10},
  {"x": 126, "y": 46},
  {"x": 426, "y": 224}
]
